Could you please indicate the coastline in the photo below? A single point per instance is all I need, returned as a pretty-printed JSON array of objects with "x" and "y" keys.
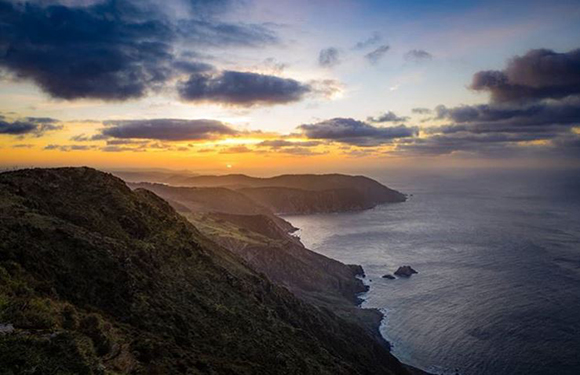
[{"x": 374, "y": 318}]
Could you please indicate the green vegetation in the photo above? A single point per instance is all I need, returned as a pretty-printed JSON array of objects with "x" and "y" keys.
[{"x": 97, "y": 279}]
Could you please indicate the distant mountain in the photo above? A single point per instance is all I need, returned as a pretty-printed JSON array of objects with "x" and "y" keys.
[
  {"x": 98, "y": 279},
  {"x": 301, "y": 194},
  {"x": 289, "y": 201}
]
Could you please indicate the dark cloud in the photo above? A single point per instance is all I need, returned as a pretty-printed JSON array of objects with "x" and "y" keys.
[
  {"x": 489, "y": 144},
  {"x": 192, "y": 67},
  {"x": 418, "y": 55},
  {"x": 30, "y": 126},
  {"x": 350, "y": 131},
  {"x": 109, "y": 50},
  {"x": 421, "y": 111},
  {"x": 387, "y": 117},
  {"x": 23, "y": 145},
  {"x": 215, "y": 34},
  {"x": 371, "y": 41},
  {"x": 100, "y": 51},
  {"x": 167, "y": 129},
  {"x": 241, "y": 89},
  {"x": 539, "y": 74},
  {"x": 500, "y": 118},
  {"x": 329, "y": 57},
  {"x": 375, "y": 56},
  {"x": 42, "y": 120}
]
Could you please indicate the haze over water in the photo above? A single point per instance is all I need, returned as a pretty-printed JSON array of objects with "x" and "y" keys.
[{"x": 498, "y": 257}]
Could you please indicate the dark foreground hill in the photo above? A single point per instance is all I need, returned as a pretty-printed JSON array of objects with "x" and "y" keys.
[{"x": 96, "y": 278}]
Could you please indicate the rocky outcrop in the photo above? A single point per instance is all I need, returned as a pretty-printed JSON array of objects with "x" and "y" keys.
[
  {"x": 405, "y": 271},
  {"x": 388, "y": 276}
]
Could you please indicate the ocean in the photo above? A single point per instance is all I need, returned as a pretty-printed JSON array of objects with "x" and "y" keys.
[{"x": 498, "y": 256}]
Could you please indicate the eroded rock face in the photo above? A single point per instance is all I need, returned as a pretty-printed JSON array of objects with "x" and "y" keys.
[{"x": 405, "y": 271}]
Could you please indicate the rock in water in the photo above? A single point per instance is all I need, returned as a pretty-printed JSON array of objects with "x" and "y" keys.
[
  {"x": 388, "y": 276},
  {"x": 405, "y": 271}
]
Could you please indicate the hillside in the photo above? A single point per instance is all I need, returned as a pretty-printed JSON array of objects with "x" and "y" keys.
[
  {"x": 261, "y": 238},
  {"x": 289, "y": 201},
  {"x": 211, "y": 199},
  {"x": 304, "y": 194},
  {"x": 96, "y": 278}
]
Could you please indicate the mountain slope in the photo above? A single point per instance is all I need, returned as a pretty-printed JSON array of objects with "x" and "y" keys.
[
  {"x": 263, "y": 241},
  {"x": 212, "y": 199},
  {"x": 97, "y": 278}
]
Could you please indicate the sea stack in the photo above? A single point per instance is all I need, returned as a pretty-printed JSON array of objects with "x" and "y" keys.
[{"x": 405, "y": 271}]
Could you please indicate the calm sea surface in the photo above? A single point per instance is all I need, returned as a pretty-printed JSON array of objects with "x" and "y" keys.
[{"x": 498, "y": 255}]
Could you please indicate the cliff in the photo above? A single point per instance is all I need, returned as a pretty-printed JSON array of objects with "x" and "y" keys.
[{"x": 96, "y": 278}]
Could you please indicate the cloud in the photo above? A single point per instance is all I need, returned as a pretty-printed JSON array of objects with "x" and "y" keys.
[
  {"x": 539, "y": 74},
  {"x": 167, "y": 129},
  {"x": 350, "y": 131},
  {"x": 375, "y": 56},
  {"x": 501, "y": 118},
  {"x": 418, "y": 55},
  {"x": 121, "y": 149},
  {"x": 111, "y": 50},
  {"x": 371, "y": 41},
  {"x": 84, "y": 52},
  {"x": 241, "y": 89},
  {"x": 497, "y": 145},
  {"x": 30, "y": 126},
  {"x": 207, "y": 33},
  {"x": 235, "y": 150},
  {"x": 192, "y": 67},
  {"x": 387, "y": 117},
  {"x": 421, "y": 111},
  {"x": 329, "y": 57},
  {"x": 534, "y": 105},
  {"x": 67, "y": 148},
  {"x": 281, "y": 143}
]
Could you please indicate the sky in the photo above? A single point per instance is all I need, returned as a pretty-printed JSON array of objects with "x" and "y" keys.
[{"x": 264, "y": 87}]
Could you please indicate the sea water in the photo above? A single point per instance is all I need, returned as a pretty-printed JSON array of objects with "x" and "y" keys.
[{"x": 498, "y": 256}]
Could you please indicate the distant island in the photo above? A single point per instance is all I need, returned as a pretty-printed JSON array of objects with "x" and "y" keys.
[{"x": 97, "y": 277}]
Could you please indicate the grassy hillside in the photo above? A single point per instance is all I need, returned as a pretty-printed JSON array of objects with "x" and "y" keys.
[
  {"x": 97, "y": 278},
  {"x": 212, "y": 199}
]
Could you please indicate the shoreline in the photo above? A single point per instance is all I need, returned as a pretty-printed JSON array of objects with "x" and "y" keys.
[{"x": 379, "y": 315}]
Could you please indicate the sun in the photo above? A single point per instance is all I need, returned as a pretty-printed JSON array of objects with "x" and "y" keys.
[{"x": 229, "y": 166}]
